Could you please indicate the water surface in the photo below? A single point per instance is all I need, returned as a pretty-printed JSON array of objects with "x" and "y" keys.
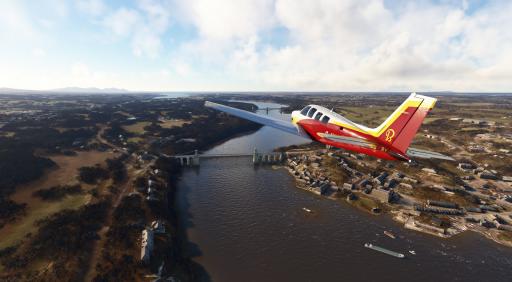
[{"x": 246, "y": 223}]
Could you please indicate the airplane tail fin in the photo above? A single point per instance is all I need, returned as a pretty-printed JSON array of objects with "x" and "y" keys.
[{"x": 401, "y": 126}]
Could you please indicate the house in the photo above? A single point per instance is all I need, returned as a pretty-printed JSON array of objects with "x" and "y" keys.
[
  {"x": 465, "y": 166},
  {"x": 405, "y": 185},
  {"x": 392, "y": 183},
  {"x": 507, "y": 178},
  {"x": 186, "y": 140},
  {"x": 489, "y": 208},
  {"x": 476, "y": 149},
  {"x": 79, "y": 142},
  {"x": 324, "y": 188},
  {"x": 473, "y": 121},
  {"x": 442, "y": 204},
  {"x": 429, "y": 170},
  {"x": 363, "y": 183},
  {"x": 152, "y": 197},
  {"x": 487, "y": 224},
  {"x": 158, "y": 227},
  {"x": 146, "y": 245},
  {"x": 505, "y": 227},
  {"x": 381, "y": 178},
  {"x": 146, "y": 157},
  {"x": 429, "y": 227},
  {"x": 468, "y": 177},
  {"x": 381, "y": 195},
  {"x": 488, "y": 175},
  {"x": 472, "y": 209},
  {"x": 410, "y": 180}
]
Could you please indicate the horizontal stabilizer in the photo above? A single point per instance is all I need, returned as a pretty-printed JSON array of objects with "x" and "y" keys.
[
  {"x": 424, "y": 154},
  {"x": 261, "y": 119}
]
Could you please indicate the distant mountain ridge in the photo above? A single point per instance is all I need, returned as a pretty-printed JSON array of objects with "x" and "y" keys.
[
  {"x": 5, "y": 90},
  {"x": 90, "y": 90}
]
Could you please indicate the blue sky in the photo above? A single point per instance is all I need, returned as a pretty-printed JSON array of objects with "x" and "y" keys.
[{"x": 257, "y": 45}]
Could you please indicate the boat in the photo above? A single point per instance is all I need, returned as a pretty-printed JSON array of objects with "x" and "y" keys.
[
  {"x": 385, "y": 251},
  {"x": 412, "y": 252},
  {"x": 306, "y": 209},
  {"x": 389, "y": 234}
]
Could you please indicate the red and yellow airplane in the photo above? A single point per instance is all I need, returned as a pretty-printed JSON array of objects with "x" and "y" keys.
[{"x": 389, "y": 141}]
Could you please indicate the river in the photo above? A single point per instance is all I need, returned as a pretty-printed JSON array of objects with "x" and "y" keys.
[{"x": 246, "y": 223}]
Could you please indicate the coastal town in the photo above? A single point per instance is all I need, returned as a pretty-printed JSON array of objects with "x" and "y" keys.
[
  {"x": 441, "y": 198},
  {"x": 419, "y": 204}
]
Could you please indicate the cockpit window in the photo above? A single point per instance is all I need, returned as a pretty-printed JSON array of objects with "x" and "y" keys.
[
  {"x": 305, "y": 110},
  {"x": 325, "y": 119},
  {"x": 311, "y": 112},
  {"x": 317, "y": 117}
]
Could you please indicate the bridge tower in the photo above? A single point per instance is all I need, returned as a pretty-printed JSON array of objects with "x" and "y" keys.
[
  {"x": 255, "y": 156},
  {"x": 195, "y": 158}
]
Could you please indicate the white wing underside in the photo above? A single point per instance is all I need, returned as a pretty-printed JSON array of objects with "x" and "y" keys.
[{"x": 261, "y": 119}]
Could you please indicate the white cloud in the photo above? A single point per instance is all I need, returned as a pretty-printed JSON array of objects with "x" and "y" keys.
[
  {"x": 123, "y": 21},
  {"x": 362, "y": 45},
  {"x": 80, "y": 70},
  {"x": 38, "y": 52},
  {"x": 15, "y": 21},
  {"x": 147, "y": 43},
  {"x": 92, "y": 7},
  {"x": 273, "y": 44},
  {"x": 144, "y": 25},
  {"x": 225, "y": 19}
]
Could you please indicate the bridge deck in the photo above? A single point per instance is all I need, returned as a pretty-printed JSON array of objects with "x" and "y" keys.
[{"x": 220, "y": 155}]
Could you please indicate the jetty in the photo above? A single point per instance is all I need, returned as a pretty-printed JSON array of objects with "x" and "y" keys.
[
  {"x": 385, "y": 251},
  {"x": 389, "y": 234}
]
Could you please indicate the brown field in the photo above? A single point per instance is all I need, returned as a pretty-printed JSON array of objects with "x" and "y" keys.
[
  {"x": 170, "y": 123},
  {"x": 7, "y": 133},
  {"x": 61, "y": 129},
  {"x": 37, "y": 209},
  {"x": 135, "y": 140},
  {"x": 369, "y": 116},
  {"x": 136, "y": 128}
]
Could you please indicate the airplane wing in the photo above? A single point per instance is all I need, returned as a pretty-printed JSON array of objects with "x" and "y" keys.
[
  {"x": 261, "y": 119},
  {"x": 418, "y": 153}
]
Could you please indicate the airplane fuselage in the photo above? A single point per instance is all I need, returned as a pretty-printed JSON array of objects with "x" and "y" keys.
[{"x": 330, "y": 123}]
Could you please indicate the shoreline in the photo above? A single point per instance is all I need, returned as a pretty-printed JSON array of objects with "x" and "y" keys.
[{"x": 404, "y": 216}]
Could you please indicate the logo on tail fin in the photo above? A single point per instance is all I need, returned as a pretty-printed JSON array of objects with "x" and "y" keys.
[{"x": 390, "y": 133}]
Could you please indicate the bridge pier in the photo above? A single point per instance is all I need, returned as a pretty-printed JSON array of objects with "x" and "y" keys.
[
  {"x": 189, "y": 160},
  {"x": 258, "y": 158},
  {"x": 195, "y": 158}
]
